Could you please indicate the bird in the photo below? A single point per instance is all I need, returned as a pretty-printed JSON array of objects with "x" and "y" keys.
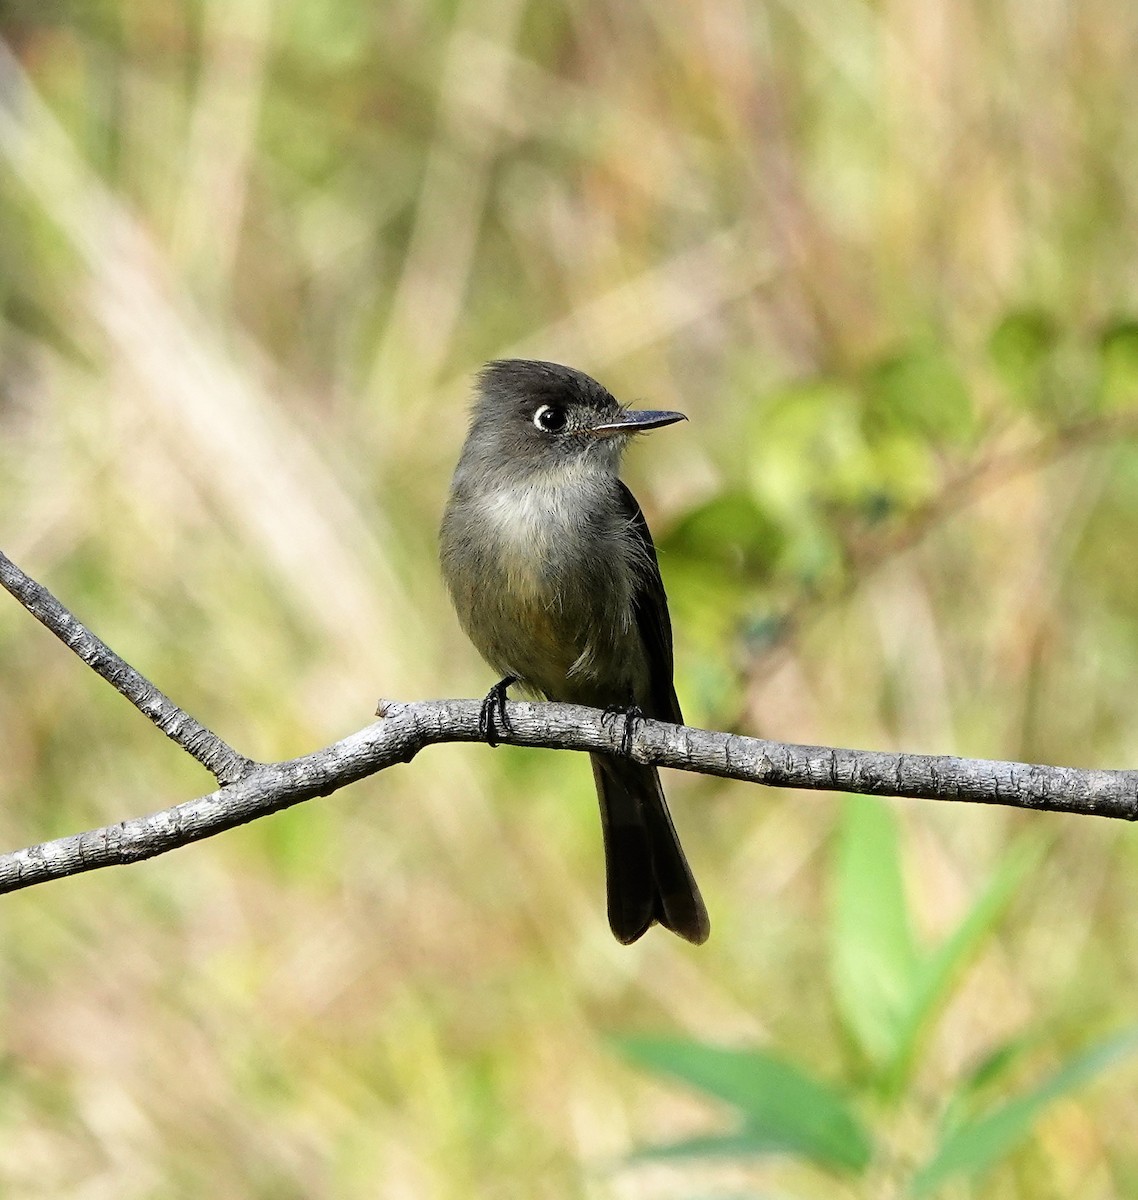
[{"x": 553, "y": 574}]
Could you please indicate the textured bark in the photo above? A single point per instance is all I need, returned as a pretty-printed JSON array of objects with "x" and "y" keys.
[
  {"x": 405, "y": 729},
  {"x": 250, "y": 790}
]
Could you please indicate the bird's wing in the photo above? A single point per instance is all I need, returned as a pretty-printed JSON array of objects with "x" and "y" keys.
[{"x": 651, "y": 607}]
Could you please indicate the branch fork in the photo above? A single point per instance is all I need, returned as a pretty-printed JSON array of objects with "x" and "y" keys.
[{"x": 249, "y": 790}]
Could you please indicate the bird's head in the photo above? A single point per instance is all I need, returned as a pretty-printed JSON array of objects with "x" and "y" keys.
[{"x": 536, "y": 416}]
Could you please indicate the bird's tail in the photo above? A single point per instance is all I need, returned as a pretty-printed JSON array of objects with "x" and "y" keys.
[{"x": 647, "y": 875}]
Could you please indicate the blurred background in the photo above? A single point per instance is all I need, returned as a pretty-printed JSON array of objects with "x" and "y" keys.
[{"x": 884, "y": 256}]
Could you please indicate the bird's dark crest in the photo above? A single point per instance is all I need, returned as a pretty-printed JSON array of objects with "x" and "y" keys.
[{"x": 527, "y": 381}]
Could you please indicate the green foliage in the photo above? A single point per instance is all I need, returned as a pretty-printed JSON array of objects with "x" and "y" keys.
[
  {"x": 1022, "y": 346},
  {"x": 875, "y": 961},
  {"x": 941, "y": 969},
  {"x": 806, "y": 448},
  {"x": 920, "y": 392},
  {"x": 887, "y": 990},
  {"x": 1120, "y": 364},
  {"x": 781, "y": 1108},
  {"x": 976, "y": 1144},
  {"x": 730, "y": 535}
]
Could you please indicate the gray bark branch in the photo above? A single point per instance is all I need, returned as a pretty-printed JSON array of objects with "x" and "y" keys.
[
  {"x": 221, "y": 760},
  {"x": 405, "y": 729},
  {"x": 251, "y": 790}
]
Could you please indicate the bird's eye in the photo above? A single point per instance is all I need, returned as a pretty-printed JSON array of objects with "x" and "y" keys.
[{"x": 550, "y": 418}]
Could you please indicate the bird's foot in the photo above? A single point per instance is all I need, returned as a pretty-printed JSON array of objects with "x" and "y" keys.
[
  {"x": 630, "y": 714},
  {"x": 492, "y": 716}
]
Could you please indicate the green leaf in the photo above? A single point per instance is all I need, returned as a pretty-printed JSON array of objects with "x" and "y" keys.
[
  {"x": 746, "y": 1143},
  {"x": 1119, "y": 349},
  {"x": 920, "y": 391},
  {"x": 874, "y": 958},
  {"x": 806, "y": 449},
  {"x": 1021, "y": 346},
  {"x": 906, "y": 469},
  {"x": 783, "y": 1110},
  {"x": 941, "y": 970},
  {"x": 996, "y": 1064},
  {"x": 731, "y": 532},
  {"x": 977, "y": 1144}
]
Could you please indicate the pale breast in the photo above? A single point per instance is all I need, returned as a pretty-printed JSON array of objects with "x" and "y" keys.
[
  {"x": 543, "y": 580},
  {"x": 527, "y": 525}
]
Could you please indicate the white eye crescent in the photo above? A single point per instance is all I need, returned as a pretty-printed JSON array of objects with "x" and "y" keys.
[{"x": 550, "y": 418}]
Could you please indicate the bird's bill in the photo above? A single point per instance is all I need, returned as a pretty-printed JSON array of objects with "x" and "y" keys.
[{"x": 636, "y": 421}]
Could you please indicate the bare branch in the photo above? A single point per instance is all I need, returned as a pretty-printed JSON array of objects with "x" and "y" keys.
[
  {"x": 251, "y": 790},
  {"x": 221, "y": 760},
  {"x": 405, "y": 729}
]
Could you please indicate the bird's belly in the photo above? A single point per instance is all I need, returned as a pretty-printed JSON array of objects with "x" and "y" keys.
[{"x": 561, "y": 623}]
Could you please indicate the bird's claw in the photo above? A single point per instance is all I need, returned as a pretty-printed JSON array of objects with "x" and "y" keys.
[
  {"x": 492, "y": 715},
  {"x": 630, "y": 714}
]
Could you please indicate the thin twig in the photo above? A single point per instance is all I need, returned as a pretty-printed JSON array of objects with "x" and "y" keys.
[
  {"x": 221, "y": 760},
  {"x": 407, "y": 728}
]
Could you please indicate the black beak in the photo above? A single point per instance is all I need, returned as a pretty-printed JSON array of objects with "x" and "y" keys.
[{"x": 635, "y": 421}]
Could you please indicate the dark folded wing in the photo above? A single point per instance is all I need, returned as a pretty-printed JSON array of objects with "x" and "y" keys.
[{"x": 651, "y": 607}]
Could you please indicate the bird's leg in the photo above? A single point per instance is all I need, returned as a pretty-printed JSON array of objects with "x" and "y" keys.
[
  {"x": 630, "y": 714},
  {"x": 492, "y": 716}
]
